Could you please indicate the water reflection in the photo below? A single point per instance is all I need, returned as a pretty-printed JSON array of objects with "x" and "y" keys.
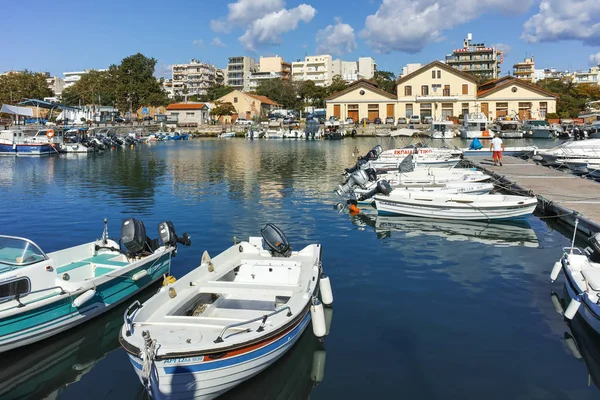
[{"x": 495, "y": 234}]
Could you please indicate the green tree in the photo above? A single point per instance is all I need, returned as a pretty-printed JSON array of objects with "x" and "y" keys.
[
  {"x": 136, "y": 84},
  {"x": 216, "y": 92},
  {"x": 386, "y": 80},
  {"x": 572, "y": 97},
  {"x": 95, "y": 87},
  {"x": 18, "y": 86},
  {"x": 337, "y": 85},
  {"x": 222, "y": 108},
  {"x": 283, "y": 92},
  {"x": 311, "y": 94}
]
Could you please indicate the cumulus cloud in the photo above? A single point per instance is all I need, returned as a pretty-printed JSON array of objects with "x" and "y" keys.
[
  {"x": 595, "y": 59},
  {"x": 243, "y": 12},
  {"x": 268, "y": 29},
  {"x": 503, "y": 47},
  {"x": 408, "y": 25},
  {"x": 336, "y": 39},
  {"x": 217, "y": 42},
  {"x": 564, "y": 20}
]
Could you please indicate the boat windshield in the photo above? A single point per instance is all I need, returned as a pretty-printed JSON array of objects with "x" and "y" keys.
[{"x": 19, "y": 252}]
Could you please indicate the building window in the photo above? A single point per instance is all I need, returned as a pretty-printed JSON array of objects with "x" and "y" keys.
[
  {"x": 352, "y": 107},
  {"x": 446, "y": 90},
  {"x": 432, "y": 74},
  {"x": 235, "y": 99},
  {"x": 426, "y": 110},
  {"x": 424, "y": 90},
  {"x": 190, "y": 114},
  {"x": 409, "y": 110},
  {"x": 543, "y": 109},
  {"x": 13, "y": 288},
  {"x": 465, "y": 108},
  {"x": 439, "y": 74},
  {"x": 408, "y": 90}
]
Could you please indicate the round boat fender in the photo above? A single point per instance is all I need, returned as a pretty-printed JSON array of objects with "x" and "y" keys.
[
  {"x": 325, "y": 289},
  {"x": 555, "y": 270},
  {"x": 50, "y": 133},
  {"x": 139, "y": 275},
  {"x": 573, "y": 307},
  {"x": 84, "y": 298},
  {"x": 318, "y": 318}
]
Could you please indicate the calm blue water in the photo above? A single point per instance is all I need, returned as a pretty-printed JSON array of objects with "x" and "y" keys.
[{"x": 426, "y": 310}]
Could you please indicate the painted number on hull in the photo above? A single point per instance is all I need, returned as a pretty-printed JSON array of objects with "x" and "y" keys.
[{"x": 184, "y": 360}]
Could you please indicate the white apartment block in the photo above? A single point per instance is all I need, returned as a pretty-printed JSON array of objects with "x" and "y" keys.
[
  {"x": 591, "y": 76},
  {"x": 194, "y": 78},
  {"x": 72, "y": 77},
  {"x": 322, "y": 68},
  {"x": 409, "y": 69},
  {"x": 238, "y": 69}
]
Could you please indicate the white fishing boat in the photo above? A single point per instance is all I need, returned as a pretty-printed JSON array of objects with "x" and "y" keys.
[
  {"x": 45, "y": 294},
  {"x": 442, "y": 130},
  {"x": 475, "y": 125},
  {"x": 581, "y": 268},
  {"x": 572, "y": 149},
  {"x": 228, "y": 319},
  {"x": 490, "y": 207},
  {"x": 508, "y": 129},
  {"x": 364, "y": 196}
]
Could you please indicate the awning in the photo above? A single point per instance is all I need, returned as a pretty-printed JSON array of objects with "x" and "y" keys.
[
  {"x": 24, "y": 111},
  {"x": 46, "y": 104}
]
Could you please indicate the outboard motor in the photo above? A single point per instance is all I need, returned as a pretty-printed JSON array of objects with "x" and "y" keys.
[
  {"x": 276, "y": 240},
  {"x": 375, "y": 152},
  {"x": 383, "y": 187},
  {"x": 167, "y": 235},
  {"x": 359, "y": 165},
  {"x": 371, "y": 173},
  {"x": 133, "y": 237},
  {"x": 359, "y": 178}
]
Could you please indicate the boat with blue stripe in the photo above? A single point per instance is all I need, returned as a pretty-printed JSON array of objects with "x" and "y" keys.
[
  {"x": 18, "y": 143},
  {"x": 228, "y": 319},
  {"x": 42, "y": 294}
]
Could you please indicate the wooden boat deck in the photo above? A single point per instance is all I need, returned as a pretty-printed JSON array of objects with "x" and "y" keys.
[{"x": 559, "y": 192}]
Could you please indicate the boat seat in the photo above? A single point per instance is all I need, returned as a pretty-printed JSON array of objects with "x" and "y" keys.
[
  {"x": 592, "y": 277},
  {"x": 231, "y": 287}
]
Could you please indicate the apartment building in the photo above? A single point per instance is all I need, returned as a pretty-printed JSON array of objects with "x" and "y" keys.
[
  {"x": 322, "y": 68},
  {"x": 409, "y": 69},
  {"x": 549, "y": 73},
  {"x": 74, "y": 76},
  {"x": 239, "y": 69},
  {"x": 366, "y": 67},
  {"x": 476, "y": 59},
  {"x": 193, "y": 78},
  {"x": 276, "y": 65},
  {"x": 591, "y": 76},
  {"x": 525, "y": 70}
]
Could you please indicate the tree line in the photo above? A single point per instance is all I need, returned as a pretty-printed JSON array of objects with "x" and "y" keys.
[{"x": 572, "y": 96}]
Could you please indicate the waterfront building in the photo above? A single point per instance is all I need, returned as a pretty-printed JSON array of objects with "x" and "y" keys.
[
  {"x": 194, "y": 78},
  {"x": 591, "y": 76},
  {"x": 441, "y": 92},
  {"x": 549, "y": 73},
  {"x": 167, "y": 85},
  {"x": 238, "y": 69},
  {"x": 477, "y": 59},
  {"x": 74, "y": 76},
  {"x": 248, "y": 105},
  {"x": 525, "y": 69},
  {"x": 189, "y": 115}
]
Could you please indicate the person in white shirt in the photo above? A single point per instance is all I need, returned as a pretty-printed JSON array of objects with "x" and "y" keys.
[{"x": 497, "y": 147}]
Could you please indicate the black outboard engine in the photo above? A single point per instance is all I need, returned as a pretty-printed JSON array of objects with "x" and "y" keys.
[
  {"x": 383, "y": 187},
  {"x": 359, "y": 165},
  {"x": 167, "y": 235},
  {"x": 276, "y": 240},
  {"x": 359, "y": 178},
  {"x": 133, "y": 237}
]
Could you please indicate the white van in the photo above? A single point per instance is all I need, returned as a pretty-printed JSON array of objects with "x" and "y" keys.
[{"x": 415, "y": 119}]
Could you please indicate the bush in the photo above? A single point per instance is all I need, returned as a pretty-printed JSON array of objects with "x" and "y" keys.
[{"x": 552, "y": 116}]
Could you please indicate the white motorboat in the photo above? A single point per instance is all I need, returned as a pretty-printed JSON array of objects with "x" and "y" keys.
[
  {"x": 45, "y": 294},
  {"x": 490, "y": 207},
  {"x": 364, "y": 196},
  {"x": 294, "y": 134},
  {"x": 508, "y": 129},
  {"x": 228, "y": 319},
  {"x": 274, "y": 130},
  {"x": 538, "y": 129},
  {"x": 409, "y": 158},
  {"x": 581, "y": 268},
  {"x": 226, "y": 135},
  {"x": 517, "y": 151},
  {"x": 442, "y": 130},
  {"x": 572, "y": 149},
  {"x": 594, "y": 169},
  {"x": 578, "y": 165},
  {"x": 475, "y": 125}
]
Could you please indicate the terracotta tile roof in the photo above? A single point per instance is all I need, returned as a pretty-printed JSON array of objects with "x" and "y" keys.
[
  {"x": 263, "y": 99},
  {"x": 441, "y": 65},
  {"x": 363, "y": 83},
  {"x": 186, "y": 106},
  {"x": 500, "y": 83}
]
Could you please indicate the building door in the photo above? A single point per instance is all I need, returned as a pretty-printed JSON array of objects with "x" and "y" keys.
[
  {"x": 390, "y": 110},
  {"x": 485, "y": 109},
  {"x": 373, "y": 110},
  {"x": 353, "y": 114},
  {"x": 336, "y": 110}
]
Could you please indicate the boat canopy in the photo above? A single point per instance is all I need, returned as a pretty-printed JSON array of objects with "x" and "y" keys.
[
  {"x": 47, "y": 105},
  {"x": 15, "y": 110}
]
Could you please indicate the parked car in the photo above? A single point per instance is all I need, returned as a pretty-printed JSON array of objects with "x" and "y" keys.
[
  {"x": 415, "y": 119},
  {"x": 365, "y": 121},
  {"x": 243, "y": 121},
  {"x": 377, "y": 121},
  {"x": 427, "y": 120},
  {"x": 402, "y": 121},
  {"x": 389, "y": 120},
  {"x": 350, "y": 121}
]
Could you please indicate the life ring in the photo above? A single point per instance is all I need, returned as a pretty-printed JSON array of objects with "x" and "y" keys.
[
  {"x": 353, "y": 132},
  {"x": 50, "y": 133},
  {"x": 485, "y": 133}
]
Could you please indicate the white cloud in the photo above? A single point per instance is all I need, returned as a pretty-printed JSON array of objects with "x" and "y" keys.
[
  {"x": 336, "y": 39},
  {"x": 503, "y": 47},
  {"x": 564, "y": 20},
  {"x": 243, "y": 12},
  {"x": 198, "y": 42},
  {"x": 217, "y": 42},
  {"x": 268, "y": 29},
  {"x": 408, "y": 25},
  {"x": 595, "y": 59}
]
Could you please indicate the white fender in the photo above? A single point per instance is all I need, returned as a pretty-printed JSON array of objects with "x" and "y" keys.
[
  {"x": 556, "y": 303},
  {"x": 572, "y": 308},
  {"x": 139, "y": 275},
  {"x": 572, "y": 345},
  {"x": 325, "y": 289},
  {"x": 318, "y": 318},
  {"x": 318, "y": 366},
  {"x": 556, "y": 270},
  {"x": 84, "y": 298}
]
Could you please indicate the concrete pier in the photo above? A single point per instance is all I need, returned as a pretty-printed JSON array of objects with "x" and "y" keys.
[{"x": 560, "y": 193}]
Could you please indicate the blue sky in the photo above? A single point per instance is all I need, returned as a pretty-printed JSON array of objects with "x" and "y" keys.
[{"x": 74, "y": 35}]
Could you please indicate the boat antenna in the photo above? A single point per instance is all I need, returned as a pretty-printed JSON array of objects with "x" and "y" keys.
[
  {"x": 105, "y": 233},
  {"x": 574, "y": 234}
]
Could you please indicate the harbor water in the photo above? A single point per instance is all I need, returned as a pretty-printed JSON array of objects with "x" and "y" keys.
[{"x": 422, "y": 309}]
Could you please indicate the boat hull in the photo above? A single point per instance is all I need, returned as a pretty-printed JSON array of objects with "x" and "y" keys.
[
  {"x": 37, "y": 323},
  {"x": 33, "y": 149},
  {"x": 540, "y": 134},
  {"x": 203, "y": 378},
  {"x": 589, "y": 310}
]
